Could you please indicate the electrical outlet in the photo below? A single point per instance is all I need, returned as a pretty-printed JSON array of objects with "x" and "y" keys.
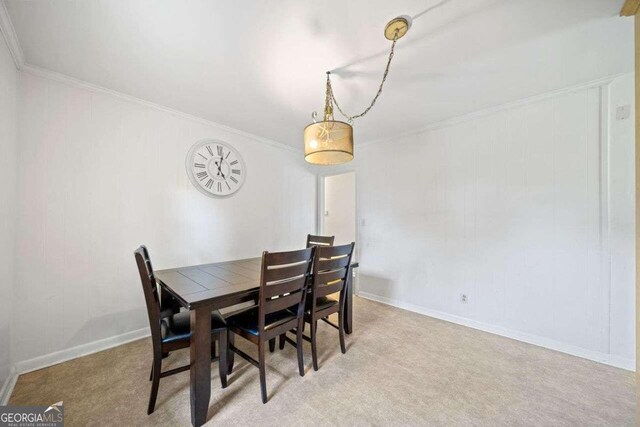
[
  {"x": 463, "y": 298},
  {"x": 623, "y": 112}
]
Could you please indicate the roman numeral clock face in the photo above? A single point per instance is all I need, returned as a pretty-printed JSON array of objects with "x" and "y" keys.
[{"x": 215, "y": 168}]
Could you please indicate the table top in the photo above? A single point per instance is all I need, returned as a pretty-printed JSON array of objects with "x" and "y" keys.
[
  {"x": 203, "y": 284},
  {"x": 199, "y": 284}
]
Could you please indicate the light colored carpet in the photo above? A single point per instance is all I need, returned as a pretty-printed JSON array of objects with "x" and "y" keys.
[{"x": 400, "y": 368}]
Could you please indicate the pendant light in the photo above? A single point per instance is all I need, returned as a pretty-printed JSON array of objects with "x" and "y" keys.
[{"x": 330, "y": 141}]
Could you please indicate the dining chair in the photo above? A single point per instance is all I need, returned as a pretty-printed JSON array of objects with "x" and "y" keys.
[
  {"x": 319, "y": 240},
  {"x": 168, "y": 304},
  {"x": 283, "y": 278},
  {"x": 171, "y": 330},
  {"x": 330, "y": 274},
  {"x": 311, "y": 241}
]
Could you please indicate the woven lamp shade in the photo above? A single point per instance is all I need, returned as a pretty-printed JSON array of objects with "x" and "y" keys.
[{"x": 328, "y": 143}]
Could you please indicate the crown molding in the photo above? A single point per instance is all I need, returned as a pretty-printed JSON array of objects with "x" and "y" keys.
[
  {"x": 10, "y": 37},
  {"x": 496, "y": 109},
  {"x": 7, "y": 29},
  {"x": 72, "y": 81}
]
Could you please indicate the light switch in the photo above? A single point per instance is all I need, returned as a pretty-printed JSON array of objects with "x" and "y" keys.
[{"x": 623, "y": 112}]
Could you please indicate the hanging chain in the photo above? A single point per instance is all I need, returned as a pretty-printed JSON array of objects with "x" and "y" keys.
[
  {"x": 330, "y": 98},
  {"x": 328, "y": 103}
]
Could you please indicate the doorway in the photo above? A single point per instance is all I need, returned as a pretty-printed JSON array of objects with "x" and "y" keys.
[{"x": 337, "y": 211}]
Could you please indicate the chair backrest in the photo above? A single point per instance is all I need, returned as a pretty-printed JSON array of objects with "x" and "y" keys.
[
  {"x": 151, "y": 294},
  {"x": 283, "y": 281},
  {"x": 330, "y": 271},
  {"x": 319, "y": 240}
]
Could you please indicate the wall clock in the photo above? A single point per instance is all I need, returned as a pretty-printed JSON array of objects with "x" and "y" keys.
[{"x": 215, "y": 168}]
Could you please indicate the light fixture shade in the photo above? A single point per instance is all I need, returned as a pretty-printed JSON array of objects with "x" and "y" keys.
[{"x": 328, "y": 143}]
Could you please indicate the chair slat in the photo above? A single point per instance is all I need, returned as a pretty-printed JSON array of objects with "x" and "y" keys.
[
  {"x": 287, "y": 272},
  {"x": 334, "y": 251},
  {"x": 324, "y": 277},
  {"x": 319, "y": 240},
  {"x": 289, "y": 286},
  {"x": 332, "y": 264},
  {"x": 280, "y": 329},
  {"x": 279, "y": 258},
  {"x": 283, "y": 302},
  {"x": 327, "y": 312},
  {"x": 321, "y": 291}
]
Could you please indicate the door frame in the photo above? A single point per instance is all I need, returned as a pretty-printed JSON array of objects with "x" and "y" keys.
[{"x": 632, "y": 8}]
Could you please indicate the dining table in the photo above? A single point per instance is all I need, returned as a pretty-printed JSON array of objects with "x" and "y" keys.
[{"x": 206, "y": 287}]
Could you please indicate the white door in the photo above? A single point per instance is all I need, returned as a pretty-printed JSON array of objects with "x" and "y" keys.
[
  {"x": 338, "y": 212},
  {"x": 338, "y": 216}
]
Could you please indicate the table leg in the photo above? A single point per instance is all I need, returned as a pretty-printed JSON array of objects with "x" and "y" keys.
[
  {"x": 200, "y": 364},
  {"x": 348, "y": 303}
]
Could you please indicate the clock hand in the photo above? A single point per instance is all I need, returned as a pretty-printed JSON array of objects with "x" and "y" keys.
[{"x": 220, "y": 168}]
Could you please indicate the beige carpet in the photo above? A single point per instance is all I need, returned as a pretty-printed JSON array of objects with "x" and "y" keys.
[{"x": 400, "y": 368}]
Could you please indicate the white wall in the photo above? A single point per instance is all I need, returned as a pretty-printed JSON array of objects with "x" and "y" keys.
[
  {"x": 8, "y": 88},
  {"x": 100, "y": 175},
  {"x": 513, "y": 208}
]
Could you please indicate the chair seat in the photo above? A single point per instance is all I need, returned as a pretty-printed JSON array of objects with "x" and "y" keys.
[
  {"x": 167, "y": 312},
  {"x": 178, "y": 326},
  {"x": 248, "y": 320},
  {"x": 321, "y": 303}
]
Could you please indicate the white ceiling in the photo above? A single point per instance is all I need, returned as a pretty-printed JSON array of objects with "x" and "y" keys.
[{"x": 259, "y": 66}]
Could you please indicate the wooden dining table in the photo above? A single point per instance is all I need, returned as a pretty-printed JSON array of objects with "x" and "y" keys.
[{"x": 206, "y": 287}]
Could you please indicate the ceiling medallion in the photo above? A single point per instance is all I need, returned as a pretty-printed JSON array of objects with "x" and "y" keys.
[{"x": 330, "y": 142}]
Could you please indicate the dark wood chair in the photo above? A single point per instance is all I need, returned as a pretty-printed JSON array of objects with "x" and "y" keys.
[
  {"x": 168, "y": 304},
  {"x": 171, "y": 329},
  {"x": 330, "y": 274},
  {"x": 281, "y": 299},
  {"x": 319, "y": 240}
]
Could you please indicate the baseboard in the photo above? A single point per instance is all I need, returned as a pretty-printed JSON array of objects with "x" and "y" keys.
[
  {"x": 608, "y": 359},
  {"x": 7, "y": 387},
  {"x": 54, "y": 358}
]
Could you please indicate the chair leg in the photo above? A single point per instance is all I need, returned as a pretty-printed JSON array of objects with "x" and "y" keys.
[
  {"x": 157, "y": 368},
  {"x": 222, "y": 362},
  {"x": 151, "y": 373},
  {"x": 314, "y": 351},
  {"x": 299, "y": 341},
  {"x": 213, "y": 348},
  {"x": 230, "y": 353},
  {"x": 263, "y": 379},
  {"x": 272, "y": 345},
  {"x": 341, "y": 331},
  {"x": 282, "y": 341}
]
